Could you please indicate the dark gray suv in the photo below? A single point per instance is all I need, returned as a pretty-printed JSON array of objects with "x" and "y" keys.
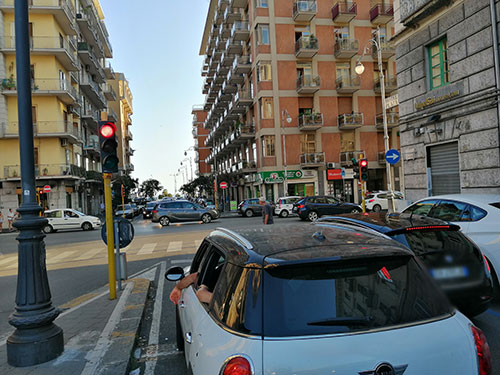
[
  {"x": 251, "y": 207},
  {"x": 174, "y": 211}
]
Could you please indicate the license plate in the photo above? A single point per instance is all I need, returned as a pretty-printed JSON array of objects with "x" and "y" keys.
[{"x": 449, "y": 272}]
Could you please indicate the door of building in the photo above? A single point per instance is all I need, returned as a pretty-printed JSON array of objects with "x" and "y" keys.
[{"x": 444, "y": 169}]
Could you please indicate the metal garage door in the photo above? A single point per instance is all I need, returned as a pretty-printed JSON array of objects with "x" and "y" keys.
[{"x": 445, "y": 169}]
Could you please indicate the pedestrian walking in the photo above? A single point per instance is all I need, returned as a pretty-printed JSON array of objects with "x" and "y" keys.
[
  {"x": 267, "y": 211},
  {"x": 1, "y": 222},
  {"x": 10, "y": 218}
]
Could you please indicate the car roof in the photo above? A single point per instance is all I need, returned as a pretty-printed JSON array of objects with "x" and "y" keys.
[
  {"x": 263, "y": 245},
  {"x": 468, "y": 198}
]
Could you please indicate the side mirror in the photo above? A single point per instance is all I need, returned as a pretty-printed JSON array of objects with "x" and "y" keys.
[{"x": 174, "y": 274}]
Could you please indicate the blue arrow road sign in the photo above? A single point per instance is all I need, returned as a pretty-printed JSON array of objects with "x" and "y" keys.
[{"x": 392, "y": 156}]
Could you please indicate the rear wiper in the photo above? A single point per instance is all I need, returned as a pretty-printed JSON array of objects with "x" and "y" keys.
[{"x": 344, "y": 321}]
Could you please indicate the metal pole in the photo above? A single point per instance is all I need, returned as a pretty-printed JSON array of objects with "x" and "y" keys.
[
  {"x": 110, "y": 235},
  {"x": 191, "y": 166},
  {"x": 285, "y": 181},
  {"x": 36, "y": 338},
  {"x": 117, "y": 253},
  {"x": 123, "y": 200},
  {"x": 215, "y": 177},
  {"x": 384, "y": 114}
]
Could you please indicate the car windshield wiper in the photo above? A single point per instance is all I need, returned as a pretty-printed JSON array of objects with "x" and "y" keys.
[{"x": 343, "y": 321}]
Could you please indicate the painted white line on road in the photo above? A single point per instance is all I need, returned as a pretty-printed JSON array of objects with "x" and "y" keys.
[
  {"x": 91, "y": 253},
  {"x": 174, "y": 246},
  {"x": 181, "y": 261},
  {"x": 144, "y": 270},
  {"x": 95, "y": 356},
  {"x": 8, "y": 260},
  {"x": 197, "y": 243},
  {"x": 57, "y": 258},
  {"x": 147, "y": 249},
  {"x": 154, "y": 333}
]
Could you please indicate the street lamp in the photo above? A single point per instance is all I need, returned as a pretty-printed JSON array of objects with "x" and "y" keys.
[
  {"x": 175, "y": 182},
  {"x": 288, "y": 119},
  {"x": 359, "y": 69},
  {"x": 190, "y": 164}
]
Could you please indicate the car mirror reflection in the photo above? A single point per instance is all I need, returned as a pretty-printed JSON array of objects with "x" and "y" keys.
[{"x": 174, "y": 274}]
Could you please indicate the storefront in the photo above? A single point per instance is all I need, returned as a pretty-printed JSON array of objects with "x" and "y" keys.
[
  {"x": 299, "y": 182},
  {"x": 341, "y": 184}
]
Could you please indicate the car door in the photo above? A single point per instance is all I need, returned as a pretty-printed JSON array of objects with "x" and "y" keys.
[
  {"x": 55, "y": 219},
  {"x": 321, "y": 206},
  {"x": 334, "y": 207},
  {"x": 174, "y": 210},
  {"x": 72, "y": 219},
  {"x": 421, "y": 208},
  {"x": 189, "y": 212}
]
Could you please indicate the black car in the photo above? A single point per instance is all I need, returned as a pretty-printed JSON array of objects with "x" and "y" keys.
[
  {"x": 147, "y": 212},
  {"x": 311, "y": 208},
  {"x": 455, "y": 262}
]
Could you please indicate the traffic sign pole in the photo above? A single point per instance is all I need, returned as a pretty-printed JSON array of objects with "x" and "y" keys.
[{"x": 110, "y": 236}]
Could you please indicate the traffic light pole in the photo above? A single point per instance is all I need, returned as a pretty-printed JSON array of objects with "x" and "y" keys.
[
  {"x": 122, "y": 191},
  {"x": 110, "y": 235}
]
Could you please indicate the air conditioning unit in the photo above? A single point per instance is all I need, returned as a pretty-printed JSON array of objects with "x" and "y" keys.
[
  {"x": 79, "y": 15},
  {"x": 331, "y": 165},
  {"x": 64, "y": 142}
]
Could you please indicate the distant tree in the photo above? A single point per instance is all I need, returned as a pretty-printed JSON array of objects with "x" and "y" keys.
[
  {"x": 202, "y": 185},
  {"x": 163, "y": 194},
  {"x": 150, "y": 187},
  {"x": 128, "y": 183}
]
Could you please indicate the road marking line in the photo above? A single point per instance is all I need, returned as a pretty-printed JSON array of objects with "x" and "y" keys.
[
  {"x": 154, "y": 333},
  {"x": 57, "y": 258},
  {"x": 147, "y": 249},
  {"x": 174, "y": 246},
  {"x": 197, "y": 243},
  {"x": 8, "y": 260},
  {"x": 90, "y": 254}
]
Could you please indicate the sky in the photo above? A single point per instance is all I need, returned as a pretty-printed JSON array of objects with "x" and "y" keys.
[{"x": 156, "y": 45}]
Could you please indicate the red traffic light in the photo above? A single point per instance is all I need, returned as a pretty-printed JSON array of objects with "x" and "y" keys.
[
  {"x": 108, "y": 130},
  {"x": 363, "y": 162}
]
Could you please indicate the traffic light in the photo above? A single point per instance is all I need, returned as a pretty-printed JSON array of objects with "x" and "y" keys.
[
  {"x": 108, "y": 146},
  {"x": 355, "y": 168},
  {"x": 363, "y": 167}
]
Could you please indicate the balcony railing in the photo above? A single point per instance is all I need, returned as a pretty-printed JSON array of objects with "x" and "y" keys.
[
  {"x": 47, "y": 171},
  {"x": 304, "y": 10},
  {"x": 243, "y": 98},
  {"x": 345, "y": 157},
  {"x": 45, "y": 87},
  {"x": 345, "y": 48},
  {"x": 312, "y": 160},
  {"x": 43, "y": 129},
  {"x": 390, "y": 84},
  {"x": 311, "y": 121},
  {"x": 386, "y": 48},
  {"x": 392, "y": 120},
  {"x": 234, "y": 46},
  {"x": 381, "y": 13},
  {"x": 348, "y": 85},
  {"x": 128, "y": 134},
  {"x": 242, "y": 64},
  {"x": 344, "y": 11},
  {"x": 308, "y": 84},
  {"x": 231, "y": 15},
  {"x": 109, "y": 92},
  {"x": 92, "y": 144},
  {"x": 306, "y": 47},
  {"x": 91, "y": 62},
  {"x": 350, "y": 120},
  {"x": 90, "y": 115},
  {"x": 241, "y": 31}
]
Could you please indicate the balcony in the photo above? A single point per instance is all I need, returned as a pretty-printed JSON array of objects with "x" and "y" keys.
[
  {"x": 386, "y": 48},
  {"x": 234, "y": 46},
  {"x": 104, "y": 38},
  {"x": 90, "y": 116},
  {"x": 129, "y": 167},
  {"x": 348, "y": 85},
  {"x": 92, "y": 90},
  {"x": 112, "y": 116},
  {"x": 380, "y": 14},
  {"x": 41, "y": 45},
  {"x": 246, "y": 167},
  {"x": 307, "y": 84},
  {"x": 91, "y": 146},
  {"x": 392, "y": 120},
  {"x": 241, "y": 31},
  {"x": 128, "y": 134},
  {"x": 304, "y": 10},
  {"x": 312, "y": 121},
  {"x": 63, "y": 12},
  {"x": 243, "y": 98},
  {"x": 390, "y": 84},
  {"x": 344, "y": 11},
  {"x": 242, "y": 65},
  {"x": 306, "y": 47},
  {"x": 44, "y": 129},
  {"x": 45, "y": 87},
  {"x": 228, "y": 88},
  {"x": 312, "y": 160},
  {"x": 109, "y": 92},
  {"x": 93, "y": 176},
  {"x": 109, "y": 72},
  {"x": 239, "y": 3},
  {"x": 349, "y": 121},
  {"x": 46, "y": 171},
  {"x": 221, "y": 45},
  {"x": 90, "y": 61},
  {"x": 244, "y": 133},
  {"x": 87, "y": 22},
  {"x": 227, "y": 59},
  {"x": 345, "y": 48},
  {"x": 231, "y": 15},
  {"x": 346, "y": 157},
  {"x": 235, "y": 78}
]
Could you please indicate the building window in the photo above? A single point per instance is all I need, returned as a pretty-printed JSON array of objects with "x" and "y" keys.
[
  {"x": 266, "y": 108},
  {"x": 438, "y": 63},
  {"x": 268, "y": 145},
  {"x": 264, "y": 71},
  {"x": 308, "y": 143},
  {"x": 263, "y": 34},
  {"x": 262, "y": 4},
  {"x": 342, "y": 33}
]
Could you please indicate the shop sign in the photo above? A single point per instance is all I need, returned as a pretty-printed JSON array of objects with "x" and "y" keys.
[
  {"x": 334, "y": 174},
  {"x": 276, "y": 177},
  {"x": 439, "y": 95}
]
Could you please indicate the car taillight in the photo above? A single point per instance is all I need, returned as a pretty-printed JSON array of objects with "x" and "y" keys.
[
  {"x": 301, "y": 206},
  {"x": 238, "y": 366},
  {"x": 486, "y": 263},
  {"x": 371, "y": 200},
  {"x": 482, "y": 350},
  {"x": 155, "y": 211}
]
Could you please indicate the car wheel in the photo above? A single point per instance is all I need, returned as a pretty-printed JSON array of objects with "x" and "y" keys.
[
  {"x": 376, "y": 208},
  {"x": 284, "y": 213},
  {"x": 206, "y": 218},
  {"x": 248, "y": 213},
  {"x": 355, "y": 210},
  {"x": 87, "y": 226},
  {"x": 178, "y": 331},
  {"x": 312, "y": 216},
  {"x": 48, "y": 229},
  {"x": 164, "y": 221}
]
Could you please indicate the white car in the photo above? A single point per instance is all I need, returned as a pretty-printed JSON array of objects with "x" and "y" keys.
[
  {"x": 478, "y": 216},
  {"x": 67, "y": 218},
  {"x": 377, "y": 200},
  {"x": 284, "y": 205}
]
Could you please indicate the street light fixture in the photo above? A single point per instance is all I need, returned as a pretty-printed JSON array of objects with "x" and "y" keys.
[
  {"x": 359, "y": 69},
  {"x": 190, "y": 164},
  {"x": 288, "y": 119}
]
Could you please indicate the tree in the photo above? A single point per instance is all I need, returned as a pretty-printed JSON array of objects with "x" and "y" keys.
[
  {"x": 150, "y": 187},
  {"x": 128, "y": 183},
  {"x": 163, "y": 194},
  {"x": 203, "y": 185}
]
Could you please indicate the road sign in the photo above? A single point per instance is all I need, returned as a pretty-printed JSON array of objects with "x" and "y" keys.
[
  {"x": 223, "y": 185},
  {"x": 392, "y": 156},
  {"x": 391, "y": 101},
  {"x": 125, "y": 232},
  {"x": 46, "y": 189}
]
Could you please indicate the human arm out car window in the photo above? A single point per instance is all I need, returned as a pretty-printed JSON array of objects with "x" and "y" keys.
[{"x": 175, "y": 295}]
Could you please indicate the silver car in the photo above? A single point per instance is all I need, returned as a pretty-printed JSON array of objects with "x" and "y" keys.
[{"x": 181, "y": 210}]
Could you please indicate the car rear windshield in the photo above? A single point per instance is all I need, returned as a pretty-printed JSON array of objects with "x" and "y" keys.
[
  {"x": 348, "y": 296},
  {"x": 151, "y": 205}
]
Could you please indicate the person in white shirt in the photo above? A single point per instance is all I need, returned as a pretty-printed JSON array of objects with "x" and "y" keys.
[{"x": 10, "y": 219}]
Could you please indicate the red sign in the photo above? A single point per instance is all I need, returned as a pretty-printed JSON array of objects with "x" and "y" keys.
[
  {"x": 334, "y": 174},
  {"x": 223, "y": 185},
  {"x": 46, "y": 189}
]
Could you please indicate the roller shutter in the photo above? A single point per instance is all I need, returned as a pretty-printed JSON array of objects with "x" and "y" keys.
[{"x": 445, "y": 169}]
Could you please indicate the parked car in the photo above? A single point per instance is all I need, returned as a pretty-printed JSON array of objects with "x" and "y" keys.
[
  {"x": 251, "y": 207},
  {"x": 148, "y": 210},
  {"x": 306, "y": 299},
  {"x": 455, "y": 262},
  {"x": 377, "y": 200},
  {"x": 135, "y": 209},
  {"x": 174, "y": 211},
  {"x": 284, "y": 205},
  {"x": 478, "y": 217},
  {"x": 311, "y": 208},
  {"x": 68, "y": 218},
  {"x": 126, "y": 210}
]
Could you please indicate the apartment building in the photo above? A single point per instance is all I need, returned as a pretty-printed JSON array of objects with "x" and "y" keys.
[
  {"x": 202, "y": 150},
  {"x": 69, "y": 48},
  {"x": 282, "y": 95},
  {"x": 448, "y": 85}
]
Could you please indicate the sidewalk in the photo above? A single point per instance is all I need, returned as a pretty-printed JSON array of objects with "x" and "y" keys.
[
  {"x": 228, "y": 214},
  {"x": 99, "y": 334}
]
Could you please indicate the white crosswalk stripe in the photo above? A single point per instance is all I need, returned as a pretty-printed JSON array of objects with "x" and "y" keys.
[
  {"x": 57, "y": 258},
  {"x": 174, "y": 246},
  {"x": 147, "y": 249},
  {"x": 197, "y": 243},
  {"x": 7, "y": 260},
  {"x": 91, "y": 253}
]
